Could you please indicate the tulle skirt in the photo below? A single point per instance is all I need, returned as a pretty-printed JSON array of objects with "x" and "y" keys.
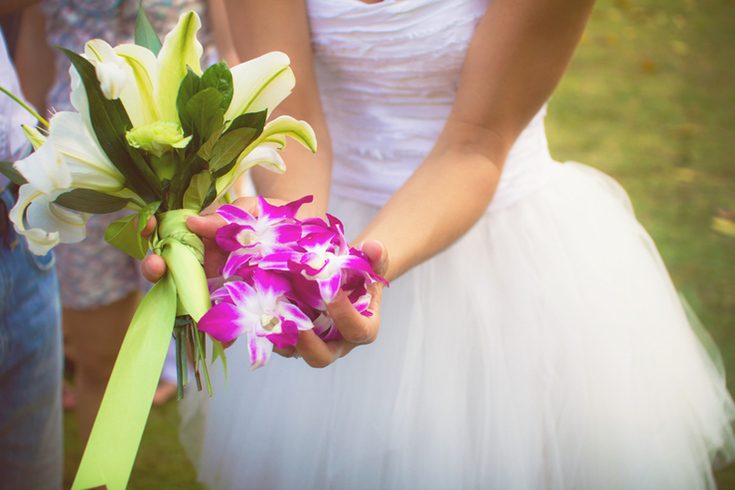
[{"x": 546, "y": 349}]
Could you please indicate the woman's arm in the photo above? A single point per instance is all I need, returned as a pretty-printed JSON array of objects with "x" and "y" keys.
[
  {"x": 258, "y": 27},
  {"x": 517, "y": 56}
]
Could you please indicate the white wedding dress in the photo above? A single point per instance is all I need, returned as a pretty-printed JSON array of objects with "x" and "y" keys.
[{"x": 546, "y": 349}]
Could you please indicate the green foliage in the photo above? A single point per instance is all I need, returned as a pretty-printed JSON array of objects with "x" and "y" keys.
[
  {"x": 7, "y": 169},
  {"x": 123, "y": 234},
  {"x": 197, "y": 192},
  {"x": 219, "y": 77},
  {"x": 648, "y": 99},
  {"x": 89, "y": 201},
  {"x": 145, "y": 35},
  {"x": 110, "y": 122}
]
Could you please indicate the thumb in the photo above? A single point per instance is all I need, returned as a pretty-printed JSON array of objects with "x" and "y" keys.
[{"x": 377, "y": 255}]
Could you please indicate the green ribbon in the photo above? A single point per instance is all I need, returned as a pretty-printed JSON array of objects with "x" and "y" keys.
[{"x": 113, "y": 444}]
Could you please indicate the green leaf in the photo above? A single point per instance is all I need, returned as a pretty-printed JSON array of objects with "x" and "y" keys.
[
  {"x": 190, "y": 85},
  {"x": 145, "y": 35},
  {"x": 113, "y": 443},
  {"x": 110, "y": 122},
  {"x": 219, "y": 77},
  {"x": 255, "y": 120},
  {"x": 7, "y": 169},
  {"x": 196, "y": 194},
  {"x": 124, "y": 235},
  {"x": 211, "y": 194},
  {"x": 229, "y": 146},
  {"x": 205, "y": 151},
  {"x": 205, "y": 111},
  {"x": 89, "y": 201},
  {"x": 145, "y": 214},
  {"x": 192, "y": 166}
]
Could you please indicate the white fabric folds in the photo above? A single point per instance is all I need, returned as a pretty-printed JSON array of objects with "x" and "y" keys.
[{"x": 547, "y": 349}]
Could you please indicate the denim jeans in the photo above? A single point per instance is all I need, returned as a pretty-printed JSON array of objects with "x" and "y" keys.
[{"x": 31, "y": 450}]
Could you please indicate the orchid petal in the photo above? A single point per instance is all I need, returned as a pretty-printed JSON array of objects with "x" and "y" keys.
[
  {"x": 233, "y": 214},
  {"x": 294, "y": 314},
  {"x": 224, "y": 322},
  {"x": 260, "y": 84},
  {"x": 260, "y": 349},
  {"x": 180, "y": 49},
  {"x": 330, "y": 286},
  {"x": 287, "y": 338}
]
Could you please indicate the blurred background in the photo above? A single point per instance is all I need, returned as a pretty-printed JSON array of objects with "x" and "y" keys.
[{"x": 650, "y": 100}]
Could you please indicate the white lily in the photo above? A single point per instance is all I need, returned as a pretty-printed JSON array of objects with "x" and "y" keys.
[
  {"x": 264, "y": 151},
  {"x": 70, "y": 158},
  {"x": 49, "y": 224},
  {"x": 150, "y": 95}
]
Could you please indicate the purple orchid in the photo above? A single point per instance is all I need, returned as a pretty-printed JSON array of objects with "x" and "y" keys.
[
  {"x": 275, "y": 231},
  {"x": 332, "y": 264},
  {"x": 280, "y": 275},
  {"x": 261, "y": 310}
]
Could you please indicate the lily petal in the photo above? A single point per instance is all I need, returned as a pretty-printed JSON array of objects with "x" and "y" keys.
[
  {"x": 45, "y": 169},
  {"x": 180, "y": 49},
  {"x": 108, "y": 67},
  {"x": 259, "y": 84},
  {"x": 138, "y": 98},
  {"x": 50, "y": 224},
  {"x": 87, "y": 164}
]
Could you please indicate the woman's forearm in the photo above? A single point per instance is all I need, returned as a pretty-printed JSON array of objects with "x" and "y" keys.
[
  {"x": 515, "y": 60},
  {"x": 446, "y": 195},
  {"x": 259, "y": 27}
]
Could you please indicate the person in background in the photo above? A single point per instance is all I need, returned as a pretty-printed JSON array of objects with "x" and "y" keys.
[
  {"x": 31, "y": 449},
  {"x": 100, "y": 285}
]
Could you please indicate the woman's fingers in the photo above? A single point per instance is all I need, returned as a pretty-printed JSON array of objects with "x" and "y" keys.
[
  {"x": 319, "y": 354},
  {"x": 149, "y": 227},
  {"x": 153, "y": 267},
  {"x": 378, "y": 256},
  {"x": 205, "y": 226},
  {"x": 354, "y": 326}
]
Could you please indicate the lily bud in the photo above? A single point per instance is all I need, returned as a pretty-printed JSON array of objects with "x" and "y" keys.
[
  {"x": 158, "y": 137},
  {"x": 112, "y": 79}
]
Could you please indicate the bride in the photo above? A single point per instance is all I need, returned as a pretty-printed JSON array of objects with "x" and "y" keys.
[{"x": 530, "y": 338}]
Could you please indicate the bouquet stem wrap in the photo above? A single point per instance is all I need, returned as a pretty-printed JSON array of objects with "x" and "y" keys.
[{"x": 110, "y": 452}]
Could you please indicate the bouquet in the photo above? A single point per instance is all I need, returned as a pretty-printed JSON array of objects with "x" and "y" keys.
[
  {"x": 279, "y": 276},
  {"x": 155, "y": 135}
]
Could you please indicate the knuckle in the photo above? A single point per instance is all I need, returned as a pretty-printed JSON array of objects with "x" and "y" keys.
[
  {"x": 361, "y": 335},
  {"x": 318, "y": 363}
]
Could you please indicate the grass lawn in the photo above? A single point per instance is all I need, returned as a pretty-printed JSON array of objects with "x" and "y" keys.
[{"x": 649, "y": 99}]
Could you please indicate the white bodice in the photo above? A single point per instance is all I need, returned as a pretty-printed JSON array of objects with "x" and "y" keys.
[{"x": 388, "y": 74}]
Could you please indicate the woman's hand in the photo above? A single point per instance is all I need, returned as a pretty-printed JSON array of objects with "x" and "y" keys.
[
  {"x": 355, "y": 328},
  {"x": 153, "y": 267}
]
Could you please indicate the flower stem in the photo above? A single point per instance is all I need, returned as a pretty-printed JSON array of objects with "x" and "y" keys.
[{"x": 25, "y": 106}]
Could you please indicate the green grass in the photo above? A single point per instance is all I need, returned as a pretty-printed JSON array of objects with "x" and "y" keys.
[
  {"x": 161, "y": 463},
  {"x": 649, "y": 99}
]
